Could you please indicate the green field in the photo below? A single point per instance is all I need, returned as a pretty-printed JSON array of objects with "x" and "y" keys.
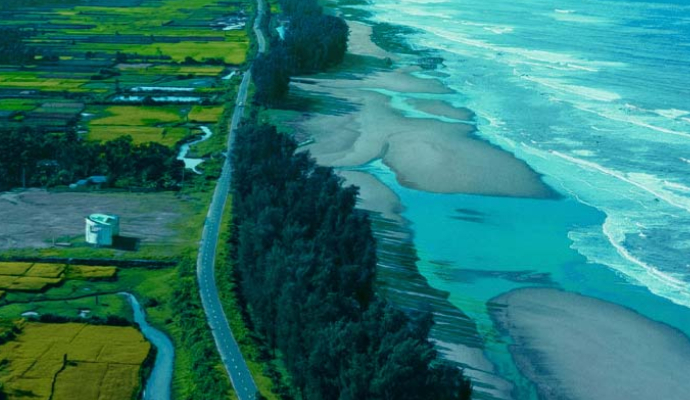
[
  {"x": 108, "y": 53},
  {"x": 73, "y": 361}
]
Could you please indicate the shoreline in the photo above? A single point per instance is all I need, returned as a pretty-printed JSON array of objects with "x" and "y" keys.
[
  {"x": 370, "y": 111},
  {"x": 350, "y": 120},
  {"x": 574, "y": 346}
]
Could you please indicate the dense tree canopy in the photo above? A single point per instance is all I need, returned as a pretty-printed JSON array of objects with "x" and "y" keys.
[
  {"x": 313, "y": 43},
  {"x": 306, "y": 261},
  {"x": 13, "y": 50},
  {"x": 34, "y": 157}
]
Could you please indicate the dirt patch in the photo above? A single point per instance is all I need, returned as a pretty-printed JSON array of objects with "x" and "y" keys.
[{"x": 34, "y": 218}]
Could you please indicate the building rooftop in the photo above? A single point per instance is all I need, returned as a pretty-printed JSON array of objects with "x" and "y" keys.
[{"x": 103, "y": 218}]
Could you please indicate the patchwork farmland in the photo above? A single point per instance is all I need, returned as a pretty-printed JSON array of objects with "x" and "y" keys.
[
  {"x": 120, "y": 90},
  {"x": 94, "y": 61}
]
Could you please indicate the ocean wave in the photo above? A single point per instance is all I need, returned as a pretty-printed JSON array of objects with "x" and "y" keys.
[
  {"x": 672, "y": 113},
  {"x": 580, "y": 19},
  {"x": 613, "y": 253},
  {"x": 519, "y": 55},
  {"x": 580, "y": 91},
  {"x": 645, "y": 182},
  {"x": 624, "y": 115}
]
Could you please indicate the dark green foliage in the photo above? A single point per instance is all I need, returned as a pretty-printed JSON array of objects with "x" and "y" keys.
[
  {"x": 313, "y": 43},
  {"x": 210, "y": 384},
  {"x": 33, "y": 157},
  {"x": 306, "y": 261},
  {"x": 9, "y": 4},
  {"x": 13, "y": 50},
  {"x": 271, "y": 77}
]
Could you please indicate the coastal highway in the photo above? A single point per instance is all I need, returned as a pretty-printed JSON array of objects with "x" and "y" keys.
[{"x": 228, "y": 349}]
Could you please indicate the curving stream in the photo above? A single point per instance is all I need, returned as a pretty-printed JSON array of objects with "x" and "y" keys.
[
  {"x": 158, "y": 384},
  {"x": 192, "y": 163}
]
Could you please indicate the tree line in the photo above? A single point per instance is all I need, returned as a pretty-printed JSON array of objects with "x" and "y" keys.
[
  {"x": 10, "y": 4},
  {"x": 313, "y": 42},
  {"x": 34, "y": 157},
  {"x": 13, "y": 50},
  {"x": 305, "y": 259}
]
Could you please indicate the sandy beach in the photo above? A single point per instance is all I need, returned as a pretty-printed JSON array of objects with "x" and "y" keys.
[
  {"x": 359, "y": 123},
  {"x": 577, "y": 347}
]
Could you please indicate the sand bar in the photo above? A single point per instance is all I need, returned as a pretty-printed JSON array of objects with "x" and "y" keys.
[
  {"x": 356, "y": 124},
  {"x": 577, "y": 347}
]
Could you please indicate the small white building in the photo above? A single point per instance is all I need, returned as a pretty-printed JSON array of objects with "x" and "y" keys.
[{"x": 100, "y": 229}]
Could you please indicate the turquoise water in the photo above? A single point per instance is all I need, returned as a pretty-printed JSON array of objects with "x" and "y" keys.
[
  {"x": 592, "y": 94},
  {"x": 159, "y": 382},
  {"x": 477, "y": 247}
]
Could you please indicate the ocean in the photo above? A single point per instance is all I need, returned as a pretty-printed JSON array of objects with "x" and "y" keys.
[{"x": 595, "y": 96}]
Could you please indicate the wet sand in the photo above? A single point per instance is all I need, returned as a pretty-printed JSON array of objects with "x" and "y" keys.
[
  {"x": 577, "y": 347},
  {"x": 442, "y": 109},
  {"x": 428, "y": 154}
]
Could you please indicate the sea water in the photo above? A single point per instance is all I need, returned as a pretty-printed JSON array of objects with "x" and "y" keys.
[{"x": 594, "y": 95}]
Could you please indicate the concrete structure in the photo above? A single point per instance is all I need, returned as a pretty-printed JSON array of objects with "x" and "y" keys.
[{"x": 100, "y": 229}]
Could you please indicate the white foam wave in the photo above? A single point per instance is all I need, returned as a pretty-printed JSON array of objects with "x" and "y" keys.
[
  {"x": 672, "y": 113},
  {"x": 677, "y": 186},
  {"x": 559, "y": 11},
  {"x": 584, "y": 153},
  {"x": 580, "y": 19},
  {"x": 499, "y": 30},
  {"x": 641, "y": 181},
  {"x": 624, "y": 116},
  {"x": 617, "y": 257},
  {"x": 516, "y": 55},
  {"x": 580, "y": 91}
]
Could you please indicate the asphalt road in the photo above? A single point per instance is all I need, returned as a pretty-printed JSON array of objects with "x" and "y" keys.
[{"x": 229, "y": 351}]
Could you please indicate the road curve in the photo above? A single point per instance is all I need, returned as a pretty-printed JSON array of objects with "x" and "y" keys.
[{"x": 227, "y": 346}]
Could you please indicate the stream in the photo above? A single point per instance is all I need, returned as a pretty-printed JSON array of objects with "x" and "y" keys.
[
  {"x": 159, "y": 382},
  {"x": 192, "y": 163}
]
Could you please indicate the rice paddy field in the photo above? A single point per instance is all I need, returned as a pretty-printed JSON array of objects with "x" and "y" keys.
[
  {"x": 79, "y": 358},
  {"x": 151, "y": 69},
  {"x": 36, "y": 277},
  {"x": 73, "y": 361}
]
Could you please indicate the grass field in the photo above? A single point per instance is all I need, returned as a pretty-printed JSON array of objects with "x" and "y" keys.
[
  {"x": 73, "y": 361},
  {"x": 205, "y": 114},
  {"x": 136, "y": 115}
]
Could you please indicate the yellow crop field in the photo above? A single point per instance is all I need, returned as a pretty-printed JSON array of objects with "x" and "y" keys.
[
  {"x": 116, "y": 377},
  {"x": 138, "y": 116},
  {"x": 32, "y": 283},
  {"x": 139, "y": 134},
  {"x": 84, "y": 362},
  {"x": 87, "y": 272},
  {"x": 14, "y": 268},
  {"x": 46, "y": 270},
  {"x": 205, "y": 113},
  {"x": 6, "y": 281}
]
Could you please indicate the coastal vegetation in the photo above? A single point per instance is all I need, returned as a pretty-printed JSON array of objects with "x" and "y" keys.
[
  {"x": 313, "y": 42},
  {"x": 305, "y": 260}
]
